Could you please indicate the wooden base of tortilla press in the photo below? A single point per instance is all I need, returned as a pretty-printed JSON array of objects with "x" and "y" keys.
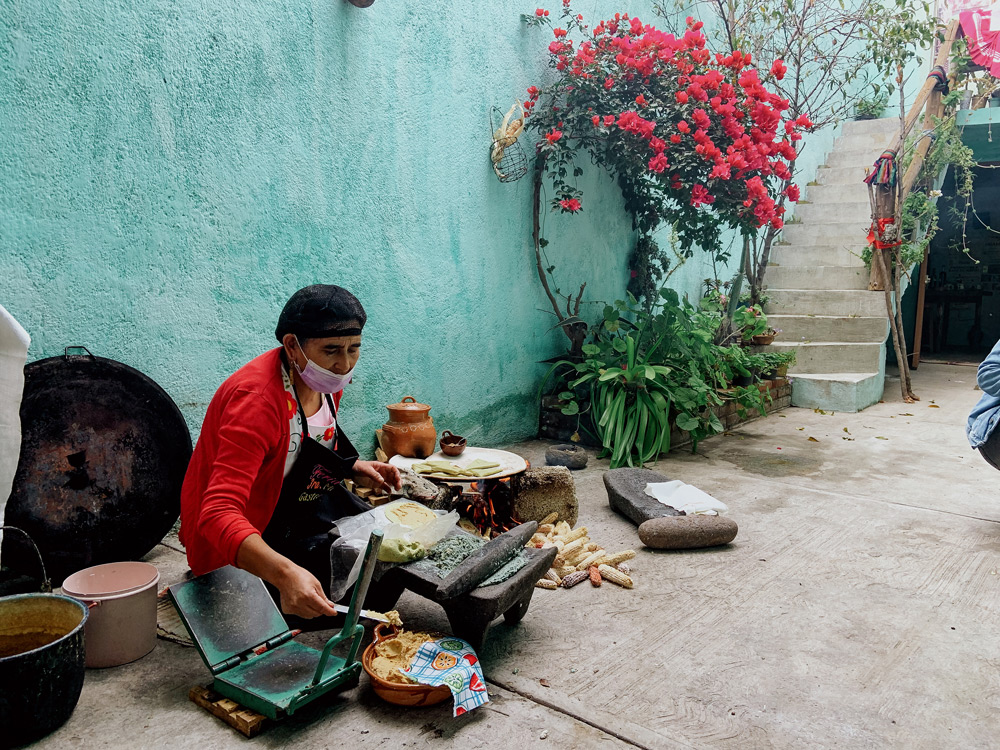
[{"x": 243, "y": 720}]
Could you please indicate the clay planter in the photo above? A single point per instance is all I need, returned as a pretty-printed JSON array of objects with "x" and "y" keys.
[
  {"x": 763, "y": 339},
  {"x": 410, "y": 430},
  {"x": 452, "y": 445}
]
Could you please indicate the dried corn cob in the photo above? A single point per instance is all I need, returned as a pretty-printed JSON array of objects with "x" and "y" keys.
[
  {"x": 614, "y": 575},
  {"x": 624, "y": 567},
  {"x": 574, "y": 545},
  {"x": 576, "y": 534},
  {"x": 545, "y": 583},
  {"x": 595, "y": 576},
  {"x": 553, "y": 576},
  {"x": 565, "y": 570},
  {"x": 559, "y": 561},
  {"x": 550, "y": 518},
  {"x": 616, "y": 558},
  {"x": 546, "y": 528},
  {"x": 588, "y": 561},
  {"x": 537, "y": 540},
  {"x": 577, "y": 576},
  {"x": 592, "y": 546},
  {"x": 562, "y": 528},
  {"x": 577, "y": 556}
]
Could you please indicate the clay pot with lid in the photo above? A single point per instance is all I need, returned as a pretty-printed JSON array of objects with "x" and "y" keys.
[{"x": 410, "y": 430}]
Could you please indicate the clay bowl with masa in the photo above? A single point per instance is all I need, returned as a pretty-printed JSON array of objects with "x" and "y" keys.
[{"x": 398, "y": 693}]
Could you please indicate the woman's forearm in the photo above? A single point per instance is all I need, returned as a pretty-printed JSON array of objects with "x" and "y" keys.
[{"x": 255, "y": 556}]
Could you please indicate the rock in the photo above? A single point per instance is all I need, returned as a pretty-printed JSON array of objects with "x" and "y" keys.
[
  {"x": 569, "y": 455},
  {"x": 687, "y": 532},
  {"x": 545, "y": 490},
  {"x": 626, "y": 494}
]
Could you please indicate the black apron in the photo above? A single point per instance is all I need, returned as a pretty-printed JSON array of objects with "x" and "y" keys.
[{"x": 313, "y": 498}]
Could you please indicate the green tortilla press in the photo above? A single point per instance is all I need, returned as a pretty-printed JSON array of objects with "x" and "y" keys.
[{"x": 247, "y": 645}]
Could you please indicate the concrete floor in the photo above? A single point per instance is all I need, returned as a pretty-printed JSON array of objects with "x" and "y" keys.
[{"x": 856, "y": 609}]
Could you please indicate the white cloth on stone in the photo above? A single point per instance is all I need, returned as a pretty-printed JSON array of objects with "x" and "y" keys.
[{"x": 686, "y": 497}]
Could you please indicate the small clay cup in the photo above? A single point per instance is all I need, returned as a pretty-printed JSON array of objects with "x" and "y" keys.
[{"x": 452, "y": 445}]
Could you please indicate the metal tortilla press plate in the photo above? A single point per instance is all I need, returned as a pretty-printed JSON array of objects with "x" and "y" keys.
[{"x": 103, "y": 455}]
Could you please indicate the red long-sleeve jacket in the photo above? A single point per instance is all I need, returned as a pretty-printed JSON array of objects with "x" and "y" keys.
[{"x": 234, "y": 478}]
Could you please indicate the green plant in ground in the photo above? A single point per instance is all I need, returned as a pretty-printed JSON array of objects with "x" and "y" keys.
[{"x": 646, "y": 370}]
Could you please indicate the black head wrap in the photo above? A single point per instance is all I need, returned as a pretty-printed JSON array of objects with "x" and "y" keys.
[{"x": 321, "y": 311}]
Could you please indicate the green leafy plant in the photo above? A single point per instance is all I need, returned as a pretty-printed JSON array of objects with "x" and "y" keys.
[
  {"x": 871, "y": 109},
  {"x": 645, "y": 371}
]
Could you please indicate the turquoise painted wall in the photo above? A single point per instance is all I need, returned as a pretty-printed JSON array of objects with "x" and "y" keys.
[{"x": 170, "y": 172}]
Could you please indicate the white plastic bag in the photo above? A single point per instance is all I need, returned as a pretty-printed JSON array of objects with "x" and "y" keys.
[
  {"x": 14, "y": 342},
  {"x": 686, "y": 497},
  {"x": 347, "y": 551}
]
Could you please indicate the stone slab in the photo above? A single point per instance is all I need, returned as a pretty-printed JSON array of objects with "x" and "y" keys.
[{"x": 626, "y": 496}]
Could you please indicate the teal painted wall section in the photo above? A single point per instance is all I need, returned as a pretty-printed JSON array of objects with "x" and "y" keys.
[{"x": 170, "y": 172}]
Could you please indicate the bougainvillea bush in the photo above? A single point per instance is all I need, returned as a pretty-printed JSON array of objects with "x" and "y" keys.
[{"x": 693, "y": 138}]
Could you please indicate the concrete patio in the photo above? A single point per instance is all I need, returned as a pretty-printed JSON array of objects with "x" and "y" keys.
[{"x": 857, "y": 608}]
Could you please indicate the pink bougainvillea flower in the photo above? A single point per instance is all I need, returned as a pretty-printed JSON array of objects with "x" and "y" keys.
[
  {"x": 700, "y": 196},
  {"x": 675, "y": 138},
  {"x": 559, "y": 32},
  {"x": 540, "y": 13},
  {"x": 533, "y": 92},
  {"x": 596, "y": 120},
  {"x": 658, "y": 163},
  {"x": 792, "y": 191},
  {"x": 681, "y": 97},
  {"x": 778, "y": 69},
  {"x": 683, "y": 127},
  {"x": 553, "y": 135},
  {"x": 570, "y": 204},
  {"x": 641, "y": 100},
  {"x": 609, "y": 82},
  {"x": 609, "y": 120},
  {"x": 803, "y": 121}
]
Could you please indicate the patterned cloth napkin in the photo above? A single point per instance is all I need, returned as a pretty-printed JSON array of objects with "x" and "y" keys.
[{"x": 451, "y": 662}]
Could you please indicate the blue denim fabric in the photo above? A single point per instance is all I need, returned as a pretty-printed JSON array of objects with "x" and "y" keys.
[{"x": 984, "y": 416}]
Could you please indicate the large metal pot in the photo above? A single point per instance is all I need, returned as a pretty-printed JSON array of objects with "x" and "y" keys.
[
  {"x": 103, "y": 456},
  {"x": 41, "y": 664},
  {"x": 122, "y": 597}
]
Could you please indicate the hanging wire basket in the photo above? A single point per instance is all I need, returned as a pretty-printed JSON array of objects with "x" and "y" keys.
[{"x": 506, "y": 155}]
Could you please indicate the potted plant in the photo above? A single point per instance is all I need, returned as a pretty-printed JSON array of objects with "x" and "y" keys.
[
  {"x": 776, "y": 364},
  {"x": 870, "y": 109}
]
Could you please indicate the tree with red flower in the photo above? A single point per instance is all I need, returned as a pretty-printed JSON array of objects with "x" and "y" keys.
[{"x": 696, "y": 140}]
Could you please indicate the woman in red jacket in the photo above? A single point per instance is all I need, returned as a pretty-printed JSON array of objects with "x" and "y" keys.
[{"x": 264, "y": 485}]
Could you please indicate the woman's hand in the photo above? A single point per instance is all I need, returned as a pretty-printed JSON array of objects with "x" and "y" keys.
[
  {"x": 302, "y": 594},
  {"x": 383, "y": 475}
]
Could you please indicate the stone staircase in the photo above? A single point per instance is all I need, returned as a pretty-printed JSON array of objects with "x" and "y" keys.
[{"x": 818, "y": 284}]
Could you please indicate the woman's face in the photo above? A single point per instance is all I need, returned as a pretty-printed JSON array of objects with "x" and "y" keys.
[{"x": 337, "y": 354}]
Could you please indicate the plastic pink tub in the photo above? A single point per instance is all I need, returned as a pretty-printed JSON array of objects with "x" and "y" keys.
[{"x": 122, "y": 601}]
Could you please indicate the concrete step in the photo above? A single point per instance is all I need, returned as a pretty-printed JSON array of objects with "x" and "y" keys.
[
  {"x": 854, "y": 192},
  {"x": 811, "y": 328},
  {"x": 811, "y": 256},
  {"x": 842, "y": 391},
  {"x": 852, "y": 213},
  {"x": 816, "y": 277},
  {"x": 831, "y": 356},
  {"x": 852, "y": 233},
  {"x": 842, "y": 175},
  {"x": 883, "y": 125},
  {"x": 825, "y": 302},
  {"x": 855, "y": 157},
  {"x": 871, "y": 141}
]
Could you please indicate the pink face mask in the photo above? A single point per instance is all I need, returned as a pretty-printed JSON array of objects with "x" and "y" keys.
[{"x": 319, "y": 378}]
